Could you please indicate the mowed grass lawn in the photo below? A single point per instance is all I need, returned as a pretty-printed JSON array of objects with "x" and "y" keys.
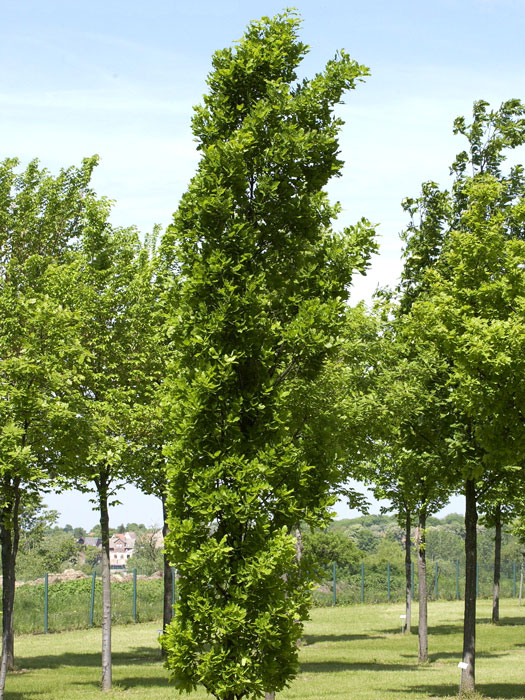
[{"x": 354, "y": 653}]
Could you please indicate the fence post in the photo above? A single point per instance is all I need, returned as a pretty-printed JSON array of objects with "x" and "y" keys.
[
  {"x": 173, "y": 586},
  {"x": 436, "y": 581},
  {"x": 46, "y": 601},
  {"x": 362, "y": 581},
  {"x": 457, "y": 579},
  {"x": 513, "y": 579},
  {"x": 412, "y": 582},
  {"x": 92, "y": 608},
  {"x": 334, "y": 584},
  {"x": 134, "y": 595},
  {"x": 388, "y": 580},
  {"x": 477, "y": 579}
]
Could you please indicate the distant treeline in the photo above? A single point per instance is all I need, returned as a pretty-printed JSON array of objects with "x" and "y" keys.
[{"x": 379, "y": 539}]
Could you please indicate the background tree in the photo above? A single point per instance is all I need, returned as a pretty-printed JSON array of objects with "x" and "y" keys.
[
  {"x": 112, "y": 300},
  {"x": 518, "y": 530},
  {"x": 261, "y": 301},
  {"x": 42, "y": 546},
  {"x": 472, "y": 311},
  {"x": 41, "y": 220},
  {"x": 325, "y": 548},
  {"x": 147, "y": 554},
  {"x": 499, "y": 501},
  {"x": 408, "y": 428},
  {"x": 149, "y": 427}
]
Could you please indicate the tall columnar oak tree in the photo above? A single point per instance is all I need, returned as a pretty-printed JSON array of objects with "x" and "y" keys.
[
  {"x": 472, "y": 310},
  {"x": 41, "y": 219},
  {"x": 263, "y": 280}
]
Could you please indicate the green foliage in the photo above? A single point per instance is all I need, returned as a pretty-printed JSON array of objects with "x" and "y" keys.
[
  {"x": 387, "y": 551},
  {"x": 472, "y": 305},
  {"x": 52, "y": 553},
  {"x": 41, "y": 220},
  {"x": 257, "y": 307},
  {"x": 92, "y": 557},
  {"x": 42, "y": 546},
  {"x": 325, "y": 548}
]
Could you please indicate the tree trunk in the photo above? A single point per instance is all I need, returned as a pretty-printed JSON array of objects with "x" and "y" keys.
[
  {"x": 8, "y": 598},
  {"x": 422, "y": 632},
  {"x": 408, "y": 573},
  {"x": 269, "y": 696},
  {"x": 106, "y": 585},
  {"x": 469, "y": 626},
  {"x": 521, "y": 574},
  {"x": 9, "y": 537},
  {"x": 497, "y": 566},
  {"x": 168, "y": 574},
  {"x": 298, "y": 545}
]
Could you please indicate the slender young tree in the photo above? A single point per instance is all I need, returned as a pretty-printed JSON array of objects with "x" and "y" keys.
[
  {"x": 500, "y": 498},
  {"x": 147, "y": 428},
  {"x": 471, "y": 310},
  {"x": 113, "y": 295},
  {"x": 407, "y": 431},
  {"x": 260, "y": 305},
  {"x": 518, "y": 530},
  {"x": 41, "y": 219}
]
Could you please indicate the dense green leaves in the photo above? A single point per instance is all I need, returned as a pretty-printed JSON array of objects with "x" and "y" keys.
[{"x": 263, "y": 280}]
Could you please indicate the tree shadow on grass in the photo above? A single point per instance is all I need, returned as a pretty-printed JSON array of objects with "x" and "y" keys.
[
  {"x": 458, "y": 627},
  {"x": 510, "y": 621},
  {"x": 316, "y": 638},
  {"x": 130, "y": 682},
  {"x": 142, "y": 655},
  {"x": 338, "y": 666},
  {"x": 441, "y": 655},
  {"x": 121, "y": 684},
  {"x": 502, "y": 690},
  {"x": 495, "y": 691},
  {"x": 434, "y": 629}
]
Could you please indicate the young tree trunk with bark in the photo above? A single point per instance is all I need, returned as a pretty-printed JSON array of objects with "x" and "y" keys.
[
  {"x": 9, "y": 537},
  {"x": 469, "y": 626},
  {"x": 422, "y": 575},
  {"x": 408, "y": 573},
  {"x": 298, "y": 544},
  {"x": 168, "y": 575},
  {"x": 497, "y": 566},
  {"x": 106, "y": 583},
  {"x": 8, "y": 597},
  {"x": 521, "y": 574}
]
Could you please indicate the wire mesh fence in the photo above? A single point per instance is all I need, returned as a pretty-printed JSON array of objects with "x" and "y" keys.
[
  {"x": 69, "y": 605},
  {"x": 445, "y": 581}
]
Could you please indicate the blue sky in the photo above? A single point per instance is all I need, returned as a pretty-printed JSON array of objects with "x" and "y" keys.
[{"x": 120, "y": 78}]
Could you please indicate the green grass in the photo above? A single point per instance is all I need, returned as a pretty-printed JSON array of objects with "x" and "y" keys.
[{"x": 349, "y": 653}]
